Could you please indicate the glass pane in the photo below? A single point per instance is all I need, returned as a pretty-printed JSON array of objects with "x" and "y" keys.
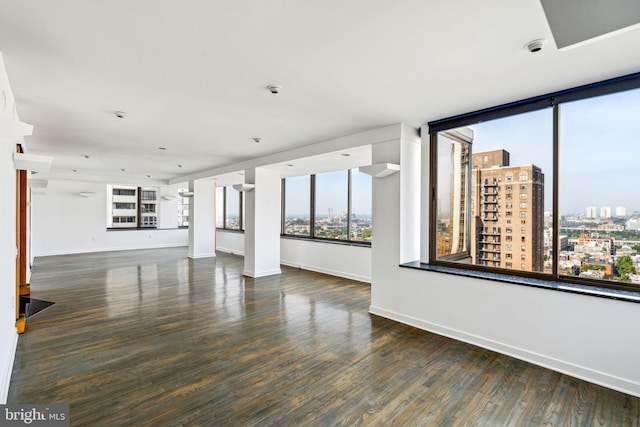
[
  {"x": 297, "y": 205},
  {"x": 360, "y": 206},
  {"x": 232, "y": 213},
  {"x": 219, "y": 207},
  {"x": 509, "y": 193},
  {"x": 599, "y": 197},
  {"x": 452, "y": 225},
  {"x": 331, "y": 195}
]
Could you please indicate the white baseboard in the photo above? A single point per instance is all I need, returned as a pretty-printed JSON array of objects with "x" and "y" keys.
[
  {"x": 328, "y": 271},
  {"x": 8, "y": 369},
  {"x": 601, "y": 378},
  {"x": 110, "y": 249},
  {"x": 230, "y": 251},
  {"x": 205, "y": 255},
  {"x": 264, "y": 273}
]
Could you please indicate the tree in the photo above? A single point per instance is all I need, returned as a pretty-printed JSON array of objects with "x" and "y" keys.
[
  {"x": 624, "y": 267},
  {"x": 588, "y": 267}
]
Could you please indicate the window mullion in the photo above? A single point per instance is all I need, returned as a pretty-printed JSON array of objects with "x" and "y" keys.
[
  {"x": 282, "y": 204},
  {"x": 224, "y": 207},
  {"x": 349, "y": 205},
  {"x": 555, "y": 235},
  {"x": 312, "y": 205},
  {"x": 433, "y": 157},
  {"x": 240, "y": 209}
]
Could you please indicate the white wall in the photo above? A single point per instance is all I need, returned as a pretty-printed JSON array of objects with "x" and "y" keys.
[
  {"x": 588, "y": 337},
  {"x": 8, "y": 334},
  {"x": 62, "y": 222},
  {"x": 230, "y": 242},
  {"x": 351, "y": 262}
]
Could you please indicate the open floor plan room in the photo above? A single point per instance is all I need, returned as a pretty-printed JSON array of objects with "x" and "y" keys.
[{"x": 151, "y": 337}]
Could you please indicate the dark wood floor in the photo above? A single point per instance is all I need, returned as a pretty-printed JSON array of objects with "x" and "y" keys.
[{"x": 153, "y": 338}]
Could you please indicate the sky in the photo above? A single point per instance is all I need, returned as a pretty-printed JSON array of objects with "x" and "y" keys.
[
  {"x": 331, "y": 192},
  {"x": 599, "y": 158},
  {"x": 599, "y": 151}
]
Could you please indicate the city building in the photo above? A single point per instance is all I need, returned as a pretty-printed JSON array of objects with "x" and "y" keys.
[
  {"x": 596, "y": 245},
  {"x": 132, "y": 207},
  {"x": 633, "y": 224},
  {"x": 605, "y": 212},
  {"x": 507, "y": 212},
  {"x": 592, "y": 212},
  {"x": 621, "y": 211}
]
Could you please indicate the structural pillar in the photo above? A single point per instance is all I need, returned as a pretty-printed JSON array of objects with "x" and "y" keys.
[
  {"x": 202, "y": 219},
  {"x": 396, "y": 207},
  {"x": 262, "y": 223}
]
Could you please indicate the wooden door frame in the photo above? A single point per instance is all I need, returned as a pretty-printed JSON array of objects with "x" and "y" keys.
[{"x": 22, "y": 287}]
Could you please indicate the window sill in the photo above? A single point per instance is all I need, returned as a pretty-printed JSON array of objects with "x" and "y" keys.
[
  {"x": 330, "y": 241},
  {"x": 230, "y": 230},
  {"x": 144, "y": 228},
  {"x": 616, "y": 294}
]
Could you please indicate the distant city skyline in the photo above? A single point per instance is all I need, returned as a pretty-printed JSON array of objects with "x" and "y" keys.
[{"x": 595, "y": 132}]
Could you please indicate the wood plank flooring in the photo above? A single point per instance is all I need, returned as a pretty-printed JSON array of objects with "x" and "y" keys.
[{"x": 152, "y": 338}]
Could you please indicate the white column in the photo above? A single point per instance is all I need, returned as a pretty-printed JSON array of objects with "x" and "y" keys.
[
  {"x": 262, "y": 223},
  {"x": 396, "y": 212},
  {"x": 202, "y": 219}
]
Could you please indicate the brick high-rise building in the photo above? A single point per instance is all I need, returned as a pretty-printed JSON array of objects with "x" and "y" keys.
[{"x": 507, "y": 213}]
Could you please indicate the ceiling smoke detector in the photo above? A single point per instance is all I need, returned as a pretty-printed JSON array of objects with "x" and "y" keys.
[
  {"x": 535, "y": 45},
  {"x": 120, "y": 114},
  {"x": 274, "y": 89}
]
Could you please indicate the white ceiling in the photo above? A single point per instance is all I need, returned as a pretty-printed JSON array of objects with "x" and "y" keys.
[{"x": 192, "y": 76}]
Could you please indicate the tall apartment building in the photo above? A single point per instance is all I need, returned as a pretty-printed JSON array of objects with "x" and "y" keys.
[
  {"x": 621, "y": 211},
  {"x": 592, "y": 212},
  {"x": 132, "y": 207},
  {"x": 605, "y": 212},
  {"x": 507, "y": 211}
]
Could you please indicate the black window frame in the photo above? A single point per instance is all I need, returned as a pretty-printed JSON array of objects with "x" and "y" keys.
[
  {"x": 554, "y": 101},
  {"x": 312, "y": 197}
]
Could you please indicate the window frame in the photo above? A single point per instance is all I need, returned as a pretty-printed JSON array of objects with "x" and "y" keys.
[
  {"x": 553, "y": 101},
  {"x": 241, "y": 199}
]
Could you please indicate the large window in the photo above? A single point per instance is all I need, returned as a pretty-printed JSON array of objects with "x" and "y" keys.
[
  {"x": 297, "y": 213},
  {"x": 533, "y": 172},
  {"x": 331, "y": 199},
  {"x": 360, "y": 210},
  {"x": 183, "y": 208},
  {"x": 132, "y": 207},
  {"x": 229, "y": 208},
  {"x": 329, "y": 206}
]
